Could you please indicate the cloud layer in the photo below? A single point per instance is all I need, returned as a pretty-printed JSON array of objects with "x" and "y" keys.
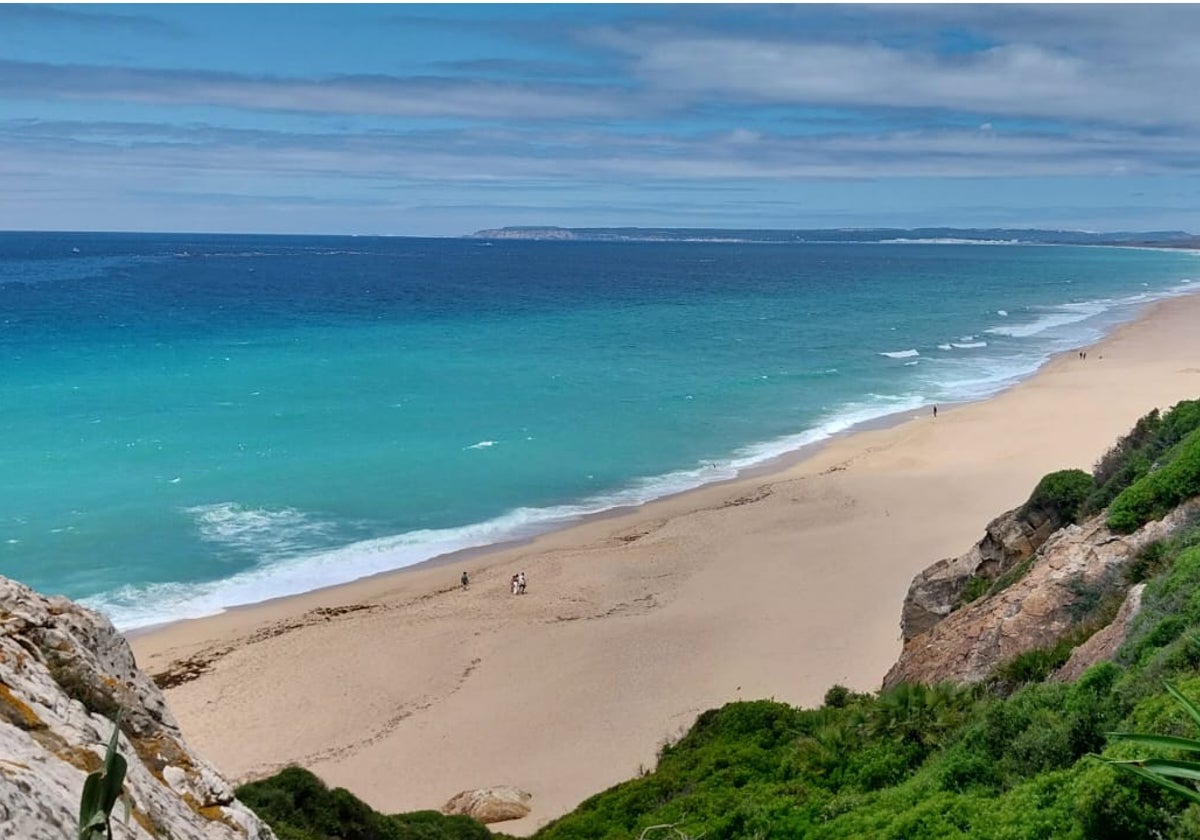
[{"x": 626, "y": 114}]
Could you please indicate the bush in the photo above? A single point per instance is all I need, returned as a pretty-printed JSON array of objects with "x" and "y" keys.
[
  {"x": 1160, "y": 491},
  {"x": 1134, "y": 455},
  {"x": 1060, "y": 494},
  {"x": 298, "y": 806},
  {"x": 839, "y": 697}
]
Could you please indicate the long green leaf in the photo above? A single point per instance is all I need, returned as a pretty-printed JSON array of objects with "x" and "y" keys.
[
  {"x": 1183, "y": 701},
  {"x": 1182, "y": 790},
  {"x": 1166, "y": 741},
  {"x": 101, "y": 789},
  {"x": 1168, "y": 767}
]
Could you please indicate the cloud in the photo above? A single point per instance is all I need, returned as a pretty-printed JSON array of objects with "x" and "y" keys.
[
  {"x": 19, "y": 14},
  {"x": 661, "y": 112},
  {"x": 1093, "y": 73},
  {"x": 571, "y": 158},
  {"x": 345, "y": 94}
]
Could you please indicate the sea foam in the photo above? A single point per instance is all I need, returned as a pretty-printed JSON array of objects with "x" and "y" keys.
[{"x": 272, "y": 534}]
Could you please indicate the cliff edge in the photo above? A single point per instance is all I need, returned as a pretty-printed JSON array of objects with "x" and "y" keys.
[{"x": 64, "y": 673}]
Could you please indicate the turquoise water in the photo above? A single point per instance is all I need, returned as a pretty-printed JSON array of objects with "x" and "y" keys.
[{"x": 194, "y": 422}]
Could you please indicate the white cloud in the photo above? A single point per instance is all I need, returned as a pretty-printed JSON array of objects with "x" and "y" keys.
[{"x": 1020, "y": 78}]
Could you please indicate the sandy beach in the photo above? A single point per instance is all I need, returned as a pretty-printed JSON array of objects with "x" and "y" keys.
[{"x": 406, "y": 689}]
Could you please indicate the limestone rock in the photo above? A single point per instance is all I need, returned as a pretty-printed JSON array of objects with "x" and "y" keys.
[
  {"x": 63, "y": 670},
  {"x": 1009, "y": 539},
  {"x": 489, "y": 805},
  {"x": 1075, "y": 563},
  {"x": 1104, "y": 644}
]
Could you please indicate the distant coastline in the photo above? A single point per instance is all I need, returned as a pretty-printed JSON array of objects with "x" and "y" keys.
[{"x": 927, "y": 235}]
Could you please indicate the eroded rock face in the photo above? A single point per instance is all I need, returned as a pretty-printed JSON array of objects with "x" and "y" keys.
[
  {"x": 63, "y": 668},
  {"x": 1104, "y": 644},
  {"x": 489, "y": 805},
  {"x": 1009, "y": 539},
  {"x": 1077, "y": 563}
]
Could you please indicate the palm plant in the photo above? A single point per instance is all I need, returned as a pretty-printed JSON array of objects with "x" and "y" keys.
[{"x": 1165, "y": 771}]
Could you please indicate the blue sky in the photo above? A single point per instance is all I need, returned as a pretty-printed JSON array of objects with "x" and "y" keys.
[{"x": 443, "y": 119}]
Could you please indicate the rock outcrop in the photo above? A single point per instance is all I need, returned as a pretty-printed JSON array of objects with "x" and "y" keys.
[
  {"x": 490, "y": 805},
  {"x": 1008, "y": 540},
  {"x": 1077, "y": 565},
  {"x": 64, "y": 670}
]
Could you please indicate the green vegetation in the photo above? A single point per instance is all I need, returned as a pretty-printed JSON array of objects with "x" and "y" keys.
[
  {"x": 1060, "y": 495},
  {"x": 101, "y": 790},
  {"x": 77, "y": 685},
  {"x": 298, "y": 806},
  {"x": 1162, "y": 489},
  {"x": 1137, "y": 453},
  {"x": 1164, "y": 771}
]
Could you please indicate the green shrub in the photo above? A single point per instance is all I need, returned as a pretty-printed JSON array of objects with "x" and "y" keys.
[
  {"x": 298, "y": 806},
  {"x": 963, "y": 769},
  {"x": 1147, "y": 563},
  {"x": 1134, "y": 455},
  {"x": 1160, "y": 491},
  {"x": 839, "y": 697},
  {"x": 1060, "y": 494},
  {"x": 975, "y": 589},
  {"x": 1032, "y": 666}
]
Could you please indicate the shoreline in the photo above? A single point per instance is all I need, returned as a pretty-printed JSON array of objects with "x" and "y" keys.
[
  {"x": 778, "y": 462},
  {"x": 763, "y": 470},
  {"x": 779, "y": 583}
]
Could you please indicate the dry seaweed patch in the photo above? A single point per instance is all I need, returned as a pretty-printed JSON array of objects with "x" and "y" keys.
[
  {"x": 195, "y": 666},
  {"x": 637, "y": 606},
  {"x": 757, "y": 496}
]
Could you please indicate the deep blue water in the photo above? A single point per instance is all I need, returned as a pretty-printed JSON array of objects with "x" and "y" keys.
[{"x": 191, "y": 422}]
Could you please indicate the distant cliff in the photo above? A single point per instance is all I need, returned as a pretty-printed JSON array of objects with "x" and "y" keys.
[
  {"x": 1173, "y": 238},
  {"x": 64, "y": 672}
]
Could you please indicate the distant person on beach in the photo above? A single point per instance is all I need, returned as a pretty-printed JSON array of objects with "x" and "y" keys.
[
  {"x": 466, "y": 581},
  {"x": 514, "y": 584},
  {"x": 521, "y": 583},
  {"x": 935, "y": 412}
]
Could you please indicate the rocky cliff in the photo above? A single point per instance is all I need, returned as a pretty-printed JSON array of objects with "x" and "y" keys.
[
  {"x": 64, "y": 672},
  {"x": 1008, "y": 540},
  {"x": 1069, "y": 574}
]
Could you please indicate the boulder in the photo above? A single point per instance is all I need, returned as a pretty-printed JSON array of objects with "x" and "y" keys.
[
  {"x": 64, "y": 672},
  {"x": 1008, "y": 540},
  {"x": 490, "y": 805}
]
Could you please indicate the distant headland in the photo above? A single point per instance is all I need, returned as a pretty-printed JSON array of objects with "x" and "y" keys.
[{"x": 1006, "y": 236}]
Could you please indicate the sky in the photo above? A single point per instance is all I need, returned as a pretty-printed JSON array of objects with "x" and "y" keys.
[{"x": 439, "y": 120}]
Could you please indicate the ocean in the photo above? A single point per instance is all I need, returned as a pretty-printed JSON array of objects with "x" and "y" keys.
[{"x": 192, "y": 422}]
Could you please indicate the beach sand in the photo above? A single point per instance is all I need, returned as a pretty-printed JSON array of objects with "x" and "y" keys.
[{"x": 406, "y": 689}]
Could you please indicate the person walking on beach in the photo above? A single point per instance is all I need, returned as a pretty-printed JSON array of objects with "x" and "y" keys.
[
  {"x": 935, "y": 412},
  {"x": 515, "y": 583},
  {"x": 466, "y": 581},
  {"x": 521, "y": 583}
]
